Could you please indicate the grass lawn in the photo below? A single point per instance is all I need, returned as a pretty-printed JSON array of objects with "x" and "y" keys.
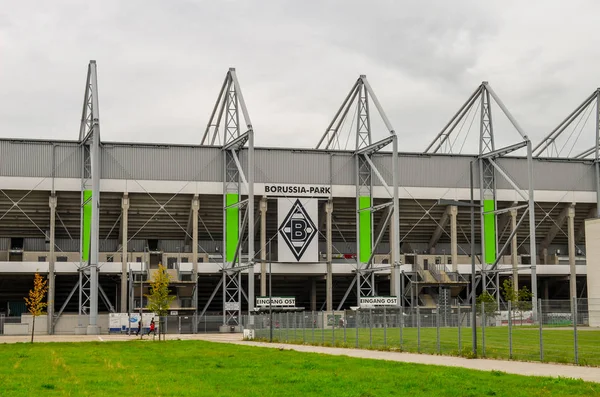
[
  {"x": 558, "y": 345},
  {"x": 196, "y": 368}
]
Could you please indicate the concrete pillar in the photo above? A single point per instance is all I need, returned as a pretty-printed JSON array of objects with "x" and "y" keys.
[
  {"x": 571, "y": 236},
  {"x": 513, "y": 250},
  {"x": 124, "y": 235},
  {"x": 195, "y": 208},
  {"x": 51, "y": 261},
  {"x": 329, "y": 281},
  {"x": 313, "y": 294},
  {"x": 453, "y": 237},
  {"x": 547, "y": 289},
  {"x": 263, "y": 246}
]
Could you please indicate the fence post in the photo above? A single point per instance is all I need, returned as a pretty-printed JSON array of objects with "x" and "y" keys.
[
  {"x": 401, "y": 311},
  {"x": 357, "y": 325},
  {"x": 437, "y": 327},
  {"x": 541, "y": 321},
  {"x": 312, "y": 323},
  {"x": 418, "y": 330},
  {"x": 303, "y": 327},
  {"x": 509, "y": 330},
  {"x": 323, "y": 328},
  {"x": 287, "y": 326},
  {"x": 574, "y": 315},
  {"x": 483, "y": 329},
  {"x": 333, "y": 328},
  {"x": 371, "y": 327},
  {"x": 459, "y": 336},
  {"x": 344, "y": 326},
  {"x": 384, "y": 327}
]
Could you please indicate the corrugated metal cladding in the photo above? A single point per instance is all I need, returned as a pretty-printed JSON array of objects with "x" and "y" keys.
[
  {"x": 425, "y": 171},
  {"x": 193, "y": 163},
  {"x": 28, "y": 159},
  {"x": 289, "y": 166},
  {"x": 4, "y": 243},
  {"x": 174, "y": 163},
  {"x": 34, "y": 244},
  {"x": 549, "y": 174},
  {"x": 34, "y": 159},
  {"x": 67, "y": 245}
]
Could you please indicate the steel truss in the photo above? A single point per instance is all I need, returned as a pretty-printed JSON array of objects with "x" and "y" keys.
[
  {"x": 224, "y": 124},
  {"x": 548, "y": 146},
  {"x": 489, "y": 170},
  {"x": 89, "y": 140},
  {"x": 361, "y": 95}
]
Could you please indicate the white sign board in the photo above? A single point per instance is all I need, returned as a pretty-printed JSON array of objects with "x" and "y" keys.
[
  {"x": 297, "y": 237},
  {"x": 295, "y": 190},
  {"x": 232, "y": 306},
  {"x": 276, "y": 301},
  {"x": 377, "y": 301}
]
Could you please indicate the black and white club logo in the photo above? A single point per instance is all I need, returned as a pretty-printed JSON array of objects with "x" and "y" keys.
[{"x": 298, "y": 230}]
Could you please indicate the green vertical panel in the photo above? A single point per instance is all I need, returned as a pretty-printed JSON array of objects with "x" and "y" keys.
[
  {"x": 232, "y": 219},
  {"x": 87, "y": 224},
  {"x": 364, "y": 224},
  {"x": 489, "y": 224}
]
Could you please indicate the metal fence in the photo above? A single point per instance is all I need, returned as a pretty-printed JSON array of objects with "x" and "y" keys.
[{"x": 506, "y": 331}]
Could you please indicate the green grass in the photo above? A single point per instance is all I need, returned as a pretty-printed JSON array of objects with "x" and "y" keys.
[
  {"x": 196, "y": 368},
  {"x": 558, "y": 345}
]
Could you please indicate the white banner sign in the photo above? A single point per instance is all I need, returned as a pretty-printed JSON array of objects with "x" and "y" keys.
[
  {"x": 276, "y": 301},
  {"x": 375, "y": 301},
  {"x": 297, "y": 237}
]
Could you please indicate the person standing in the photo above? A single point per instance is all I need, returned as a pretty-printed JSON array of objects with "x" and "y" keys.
[{"x": 139, "y": 327}]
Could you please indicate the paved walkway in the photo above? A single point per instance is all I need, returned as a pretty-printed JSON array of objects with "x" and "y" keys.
[{"x": 591, "y": 374}]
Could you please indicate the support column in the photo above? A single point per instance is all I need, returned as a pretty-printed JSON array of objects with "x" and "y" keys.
[
  {"x": 394, "y": 276},
  {"x": 571, "y": 237},
  {"x": 51, "y": 260},
  {"x": 124, "y": 234},
  {"x": 329, "y": 281},
  {"x": 513, "y": 250},
  {"x": 195, "y": 208},
  {"x": 263, "y": 246},
  {"x": 454, "y": 238}
]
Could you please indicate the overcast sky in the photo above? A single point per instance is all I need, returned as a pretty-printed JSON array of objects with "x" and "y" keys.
[{"x": 161, "y": 64}]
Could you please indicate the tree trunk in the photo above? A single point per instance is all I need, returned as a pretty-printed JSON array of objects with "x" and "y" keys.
[{"x": 32, "y": 329}]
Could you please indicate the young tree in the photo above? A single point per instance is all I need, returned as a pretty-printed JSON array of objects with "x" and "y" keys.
[
  {"x": 489, "y": 304},
  {"x": 520, "y": 299},
  {"x": 36, "y": 296},
  {"x": 159, "y": 299}
]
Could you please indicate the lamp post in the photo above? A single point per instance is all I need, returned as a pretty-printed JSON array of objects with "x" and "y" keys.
[{"x": 471, "y": 204}]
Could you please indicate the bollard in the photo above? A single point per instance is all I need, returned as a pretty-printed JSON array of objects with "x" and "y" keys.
[
  {"x": 541, "y": 321},
  {"x": 509, "y": 330}
]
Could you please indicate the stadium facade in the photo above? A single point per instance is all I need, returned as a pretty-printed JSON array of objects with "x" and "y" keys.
[{"x": 327, "y": 226}]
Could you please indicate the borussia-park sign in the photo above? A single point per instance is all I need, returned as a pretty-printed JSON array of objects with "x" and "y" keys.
[
  {"x": 276, "y": 301},
  {"x": 297, "y": 190},
  {"x": 376, "y": 301}
]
